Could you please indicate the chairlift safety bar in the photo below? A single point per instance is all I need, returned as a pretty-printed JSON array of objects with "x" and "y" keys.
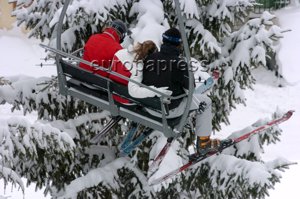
[{"x": 77, "y": 59}]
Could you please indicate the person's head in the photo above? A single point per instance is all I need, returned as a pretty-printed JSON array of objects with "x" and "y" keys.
[
  {"x": 172, "y": 36},
  {"x": 120, "y": 27},
  {"x": 144, "y": 49}
]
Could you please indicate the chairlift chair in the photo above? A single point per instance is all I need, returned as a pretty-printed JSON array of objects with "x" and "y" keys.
[{"x": 98, "y": 90}]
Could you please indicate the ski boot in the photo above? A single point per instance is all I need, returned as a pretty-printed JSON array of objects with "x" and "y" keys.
[{"x": 206, "y": 145}]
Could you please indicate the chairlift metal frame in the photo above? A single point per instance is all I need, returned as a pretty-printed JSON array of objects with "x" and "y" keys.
[{"x": 110, "y": 105}]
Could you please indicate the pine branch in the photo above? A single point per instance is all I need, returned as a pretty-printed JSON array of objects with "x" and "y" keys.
[
  {"x": 30, "y": 149},
  {"x": 8, "y": 175},
  {"x": 117, "y": 176}
]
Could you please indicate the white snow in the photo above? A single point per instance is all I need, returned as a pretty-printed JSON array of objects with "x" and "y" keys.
[
  {"x": 266, "y": 97},
  {"x": 289, "y": 54},
  {"x": 20, "y": 55},
  {"x": 96, "y": 176},
  {"x": 149, "y": 19}
]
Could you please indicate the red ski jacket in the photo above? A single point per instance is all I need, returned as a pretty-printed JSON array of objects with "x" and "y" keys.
[{"x": 100, "y": 49}]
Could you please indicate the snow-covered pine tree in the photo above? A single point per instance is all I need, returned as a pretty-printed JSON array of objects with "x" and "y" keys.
[{"x": 69, "y": 165}]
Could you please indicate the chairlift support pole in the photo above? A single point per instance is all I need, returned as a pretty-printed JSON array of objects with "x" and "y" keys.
[
  {"x": 61, "y": 78},
  {"x": 188, "y": 59}
]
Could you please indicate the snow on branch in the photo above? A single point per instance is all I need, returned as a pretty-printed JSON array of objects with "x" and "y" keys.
[
  {"x": 25, "y": 91},
  {"x": 8, "y": 175},
  {"x": 21, "y": 138},
  {"x": 231, "y": 176},
  {"x": 29, "y": 149},
  {"x": 35, "y": 150},
  {"x": 204, "y": 41},
  {"x": 189, "y": 8},
  {"x": 41, "y": 18},
  {"x": 108, "y": 176},
  {"x": 243, "y": 50},
  {"x": 70, "y": 126},
  {"x": 41, "y": 95},
  {"x": 150, "y": 17},
  {"x": 253, "y": 40}
]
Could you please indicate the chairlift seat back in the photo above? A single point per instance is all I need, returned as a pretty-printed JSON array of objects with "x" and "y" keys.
[{"x": 95, "y": 85}]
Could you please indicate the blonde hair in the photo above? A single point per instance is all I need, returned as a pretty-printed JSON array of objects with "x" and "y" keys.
[{"x": 142, "y": 50}]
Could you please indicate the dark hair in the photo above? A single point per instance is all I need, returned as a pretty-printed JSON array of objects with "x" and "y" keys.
[{"x": 144, "y": 49}]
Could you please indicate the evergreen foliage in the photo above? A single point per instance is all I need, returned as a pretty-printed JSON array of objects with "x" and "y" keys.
[{"x": 55, "y": 152}]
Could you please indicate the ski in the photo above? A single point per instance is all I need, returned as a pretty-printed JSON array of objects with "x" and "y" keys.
[
  {"x": 207, "y": 84},
  {"x": 129, "y": 136},
  {"x": 106, "y": 129},
  {"x": 137, "y": 141},
  {"x": 195, "y": 158},
  {"x": 159, "y": 158}
]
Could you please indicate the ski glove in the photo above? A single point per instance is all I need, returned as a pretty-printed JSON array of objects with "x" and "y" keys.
[{"x": 162, "y": 90}]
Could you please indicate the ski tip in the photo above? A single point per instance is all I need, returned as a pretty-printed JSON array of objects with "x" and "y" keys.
[{"x": 289, "y": 113}]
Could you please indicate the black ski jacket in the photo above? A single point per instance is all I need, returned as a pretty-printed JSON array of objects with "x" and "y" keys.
[{"x": 167, "y": 69}]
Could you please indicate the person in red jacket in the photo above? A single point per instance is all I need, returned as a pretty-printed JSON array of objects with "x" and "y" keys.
[{"x": 100, "y": 48}]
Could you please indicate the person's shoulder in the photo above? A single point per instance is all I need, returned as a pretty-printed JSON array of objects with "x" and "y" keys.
[
  {"x": 150, "y": 56},
  {"x": 124, "y": 54},
  {"x": 93, "y": 37},
  {"x": 115, "y": 46},
  {"x": 96, "y": 35},
  {"x": 98, "y": 38},
  {"x": 154, "y": 55},
  {"x": 150, "y": 59}
]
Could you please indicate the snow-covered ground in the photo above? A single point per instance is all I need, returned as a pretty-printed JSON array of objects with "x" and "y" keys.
[{"x": 19, "y": 56}]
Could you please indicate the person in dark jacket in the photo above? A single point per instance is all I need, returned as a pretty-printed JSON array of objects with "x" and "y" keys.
[
  {"x": 166, "y": 69},
  {"x": 100, "y": 48}
]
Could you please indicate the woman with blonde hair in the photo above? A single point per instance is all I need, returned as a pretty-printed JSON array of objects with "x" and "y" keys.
[{"x": 129, "y": 63}]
